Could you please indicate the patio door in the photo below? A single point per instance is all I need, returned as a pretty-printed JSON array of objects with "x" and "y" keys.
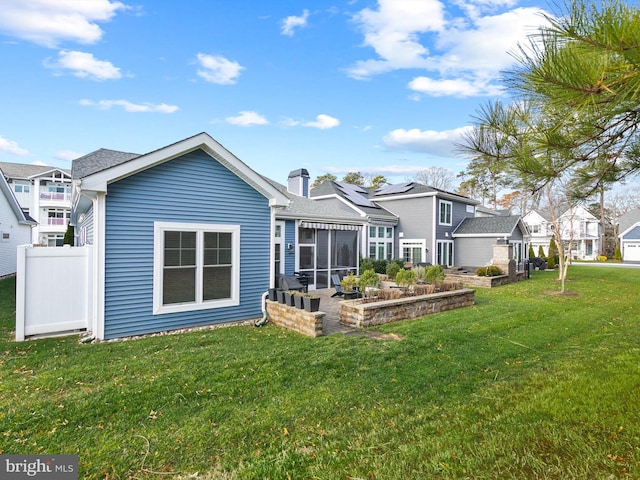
[{"x": 307, "y": 255}]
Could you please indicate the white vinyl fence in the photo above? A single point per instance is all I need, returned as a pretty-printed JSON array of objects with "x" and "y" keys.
[{"x": 53, "y": 290}]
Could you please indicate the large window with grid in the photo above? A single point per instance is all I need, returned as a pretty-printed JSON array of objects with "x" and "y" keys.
[
  {"x": 196, "y": 266},
  {"x": 380, "y": 243}
]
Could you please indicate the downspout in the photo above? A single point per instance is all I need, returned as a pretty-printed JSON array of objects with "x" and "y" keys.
[{"x": 265, "y": 317}]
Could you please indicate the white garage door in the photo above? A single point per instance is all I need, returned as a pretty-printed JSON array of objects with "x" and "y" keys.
[{"x": 632, "y": 251}]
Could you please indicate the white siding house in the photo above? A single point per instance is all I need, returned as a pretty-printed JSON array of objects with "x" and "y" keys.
[
  {"x": 15, "y": 229},
  {"x": 576, "y": 224},
  {"x": 44, "y": 193}
]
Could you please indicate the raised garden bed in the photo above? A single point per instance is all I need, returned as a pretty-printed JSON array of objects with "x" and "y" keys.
[{"x": 358, "y": 313}]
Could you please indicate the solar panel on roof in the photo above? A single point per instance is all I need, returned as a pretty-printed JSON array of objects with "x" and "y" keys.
[
  {"x": 353, "y": 193},
  {"x": 395, "y": 188}
]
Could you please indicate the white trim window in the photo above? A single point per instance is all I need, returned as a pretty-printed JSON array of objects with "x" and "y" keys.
[
  {"x": 195, "y": 267},
  {"x": 445, "y": 208},
  {"x": 413, "y": 250},
  {"x": 380, "y": 242}
]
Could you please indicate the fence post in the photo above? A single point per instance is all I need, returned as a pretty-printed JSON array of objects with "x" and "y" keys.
[{"x": 21, "y": 283}]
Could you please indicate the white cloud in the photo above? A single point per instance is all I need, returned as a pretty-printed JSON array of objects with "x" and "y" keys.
[
  {"x": 393, "y": 31},
  {"x": 217, "y": 69},
  {"x": 292, "y": 22},
  {"x": 247, "y": 118},
  {"x": 424, "y": 141},
  {"x": 458, "y": 87},
  {"x": 130, "y": 107},
  {"x": 84, "y": 65},
  {"x": 67, "y": 155},
  {"x": 323, "y": 122},
  {"x": 462, "y": 50},
  {"x": 49, "y": 22},
  {"x": 9, "y": 146}
]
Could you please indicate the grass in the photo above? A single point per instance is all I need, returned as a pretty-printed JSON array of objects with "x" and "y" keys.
[{"x": 523, "y": 385}]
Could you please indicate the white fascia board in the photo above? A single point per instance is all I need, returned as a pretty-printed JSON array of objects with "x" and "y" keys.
[
  {"x": 100, "y": 180},
  {"x": 445, "y": 196},
  {"x": 49, "y": 172},
  {"x": 480, "y": 235}
]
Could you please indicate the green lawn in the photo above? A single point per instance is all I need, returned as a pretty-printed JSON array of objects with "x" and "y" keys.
[{"x": 523, "y": 385}]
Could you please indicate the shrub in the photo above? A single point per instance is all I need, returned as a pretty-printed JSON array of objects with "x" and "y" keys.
[
  {"x": 553, "y": 253},
  {"x": 68, "y": 236},
  {"x": 618, "y": 254},
  {"x": 349, "y": 282},
  {"x": 369, "y": 279},
  {"x": 434, "y": 274},
  {"x": 531, "y": 252},
  {"x": 405, "y": 278},
  {"x": 380, "y": 266},
  {"x": 392, "y": 270},
  {"x": 602, "y": 258},
  {"x": 541, "y": 252},
  {"x": 366, "y": 264},
  {"x": 490, "y": 271}
]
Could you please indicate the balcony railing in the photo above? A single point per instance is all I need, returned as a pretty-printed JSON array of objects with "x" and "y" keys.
[
  {"x": 55, "y": 196},
  {"x": 58, "y": 221}
]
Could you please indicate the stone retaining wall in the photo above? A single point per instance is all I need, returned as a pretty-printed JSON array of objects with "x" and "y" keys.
[
  {"x": 296, "y": 319},
  {"x": 356, "y": 314},
  {"x": 486, "y": 282}
]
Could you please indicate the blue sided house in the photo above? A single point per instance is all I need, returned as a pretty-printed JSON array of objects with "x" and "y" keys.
[{"x": 181, "y": 236}]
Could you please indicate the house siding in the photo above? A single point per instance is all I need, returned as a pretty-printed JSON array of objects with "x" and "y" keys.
[
  {"x": 191, "y": 188},
  {"x": 289, "y": 256},
  {"x": 415, "y": 220},
  {"x": 18, "y": 235},
  {"x": 87, "y": 226},
  {"x": 474, "y": 252}
]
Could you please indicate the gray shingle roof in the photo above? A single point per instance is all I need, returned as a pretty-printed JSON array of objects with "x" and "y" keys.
[
  {"x": 22, "y": 171},
  {"x": 629, "y": 219},
  {"x": 98, "y": 161},
  {"x": 498, "y": 225}
]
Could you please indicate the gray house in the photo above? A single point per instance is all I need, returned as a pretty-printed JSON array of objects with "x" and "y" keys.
[{"x": 475, "y": 237}]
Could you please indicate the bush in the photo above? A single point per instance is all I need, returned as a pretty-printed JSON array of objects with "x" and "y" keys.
[
  {"x": 366, "y": 264},
  {"x": 531, "y": 252},
  {"x": 405, "y": 278},
  {"x": 490, "y": 271},
  {"x": 433, "y": 274},
  {"x": 541, "y": 252},
  {"x": 368, "y": 279},
  {"x": 392, "y": 270},
  {"x": 380, "y": 266},
  {"x": 618, "y": 254}
]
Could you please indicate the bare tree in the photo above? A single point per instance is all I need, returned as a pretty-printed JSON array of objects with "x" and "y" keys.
[{"x": 436, "y": 177}]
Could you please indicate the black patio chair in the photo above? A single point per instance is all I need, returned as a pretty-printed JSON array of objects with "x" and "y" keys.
[{"x": 335, "y": 279}]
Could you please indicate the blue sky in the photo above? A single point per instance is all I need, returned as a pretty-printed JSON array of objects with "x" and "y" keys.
[{"x": 380, "y": 87}]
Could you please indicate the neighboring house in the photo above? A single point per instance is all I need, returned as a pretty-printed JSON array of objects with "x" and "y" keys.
[
  {"x": 416, "y": 223},
  {"x": 44, "y": 193},
  {"x": 181, "y": 236},
  {"x": 576, "y": 224},
  {"x": 629, "y": 228},
  {"x": 15, "y": 228},
  {"x": 326, "y": 235},
  {"x": 475, "y": 238}
]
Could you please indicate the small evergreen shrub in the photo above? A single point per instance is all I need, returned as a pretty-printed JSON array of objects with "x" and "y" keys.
[
  {"x": 433, "y": 274},
  {"x": 366, "y": 264},
  {"x": 541, "y": 252},
  {"x": 618, "y": 254},
  {"x": 405, "y": 278},
  {"x": 392, "y": 270},
  {"x": 531, "y": 252},
  {"x": 490, "y": 271},
  {"x": 380, "y": 266}
]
